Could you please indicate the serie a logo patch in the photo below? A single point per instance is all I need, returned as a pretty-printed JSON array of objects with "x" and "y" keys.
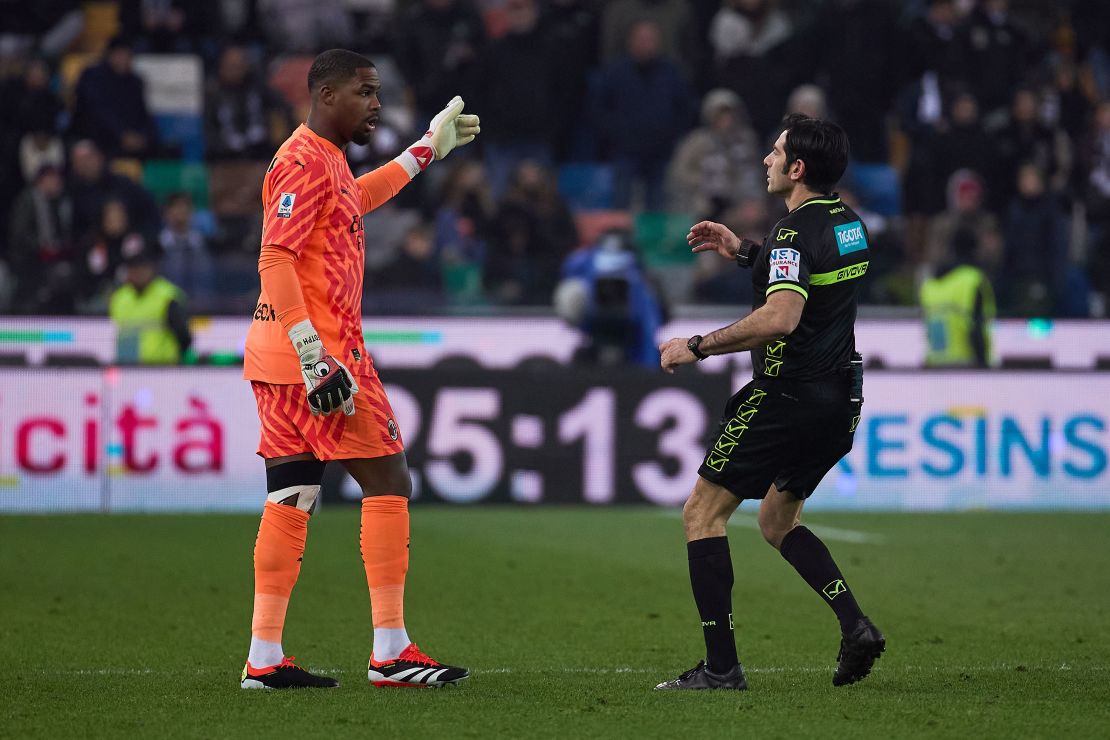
[{"x": 285, "y": 205}]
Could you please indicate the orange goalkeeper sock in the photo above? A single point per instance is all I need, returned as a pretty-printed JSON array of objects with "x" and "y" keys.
[
  {"x": 385, "y": 555},
  {"x": 277, "y": 563}
]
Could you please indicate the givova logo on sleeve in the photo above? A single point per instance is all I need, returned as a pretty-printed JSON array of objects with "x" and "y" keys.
[
  {"x": 785, "y": 264},
  {"x": 850, "y": 237}
]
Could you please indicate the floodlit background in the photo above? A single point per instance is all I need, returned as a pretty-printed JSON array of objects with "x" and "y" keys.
[{"x": 513, "y": 297}]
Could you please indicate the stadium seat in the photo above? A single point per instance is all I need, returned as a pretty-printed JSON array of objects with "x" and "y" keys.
[
  {"x": 128, "y": 167},
  {"x": 101, "y": 23},
  {"x": 592, "y": 224},
  {"x": 287, "y": 76},
  {"x": 183, "y": 131},
  {"x": 165, "y": 176},
  {"x": 586, "y": 185},
  {"x": 661, "y": 237},
  {"x": 877, "y": 186}
]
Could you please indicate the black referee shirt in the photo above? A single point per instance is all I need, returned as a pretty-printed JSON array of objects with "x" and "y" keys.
[{"x": 820, "y": 251}]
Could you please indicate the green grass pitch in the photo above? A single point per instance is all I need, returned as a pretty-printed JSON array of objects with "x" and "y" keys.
[{"x": 998, "y": 625}]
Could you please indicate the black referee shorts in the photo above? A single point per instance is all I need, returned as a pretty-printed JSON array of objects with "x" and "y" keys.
[{"x": 785, "y": 432}]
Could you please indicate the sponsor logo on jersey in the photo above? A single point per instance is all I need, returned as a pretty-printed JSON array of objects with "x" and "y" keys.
[
  {"x": 285, "y": 205},
  {"x": 785, "y": 264},
  {"x": 786, "y": 235},
  {"x": 850, "y": 237}
]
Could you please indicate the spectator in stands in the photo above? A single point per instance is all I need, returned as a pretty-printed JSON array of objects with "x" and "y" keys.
[
  {"x": 807, "y": 99},
  {"x": 643, "y": 104},
  {"x": 715, "y": 280},
  {"x": 38, "y": 115},
  {"x": 438, "y": 46},
  {"x": 572, "y": 27},
  {"x": 745, "y": 36},
  {"x": 186, "y": 261},
  {"x": 673, "y": 22},
  {"x": 518, "y": 70},
  {"x": 997, "y": 52},
  {"x": 965, "y": 211},
  {"x": 241, "y": 112},
  {"x": 958, "y": 306},
  {"x": 413, "y": 280},
  {"x": 104, "y": 251},
  {"x": 169, "y": 26},
  {"x": 152, "y": 324},
  {"x": 856, "y": 45},
  {"x": 1035, "y": 267},
  {"x": 717, "y": 165},
  {"x": 533, "y": 232},
  {"x": 40, "y": 250},
  {"x": 463, "y": 224},
  {"x": 1026, "y": 138},
  {"x": 91, "y": 185},
  {"x": 962, "y": 143},
  {"x": 110, "y": 108},
  {"x": 1096, "y": 189},
  {"x": 305, "y": 27}
]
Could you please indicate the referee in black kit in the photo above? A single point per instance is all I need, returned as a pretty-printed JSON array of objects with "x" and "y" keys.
[{"x": 788, "y": 427}]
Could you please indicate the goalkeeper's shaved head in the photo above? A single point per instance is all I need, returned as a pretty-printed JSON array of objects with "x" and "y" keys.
[{"x": 334, "y": 67}]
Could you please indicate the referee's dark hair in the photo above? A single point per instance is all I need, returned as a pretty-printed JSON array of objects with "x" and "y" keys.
[
  {"x": 333, "y": 66},
  {"x": 821, "y": 145}
]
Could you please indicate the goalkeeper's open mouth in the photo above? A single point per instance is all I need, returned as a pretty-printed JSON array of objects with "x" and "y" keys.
[{"x": 371, "y": 123}]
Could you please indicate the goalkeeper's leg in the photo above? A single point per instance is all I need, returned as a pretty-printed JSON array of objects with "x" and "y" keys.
[
  {"x": 293, "y": 485},
  {"x": 384, "y": 542}
]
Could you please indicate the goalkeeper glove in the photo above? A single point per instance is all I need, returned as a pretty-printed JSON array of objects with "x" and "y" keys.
[
  {"x": 330, "y": 384},
  {"x": 448, "y": 130}
]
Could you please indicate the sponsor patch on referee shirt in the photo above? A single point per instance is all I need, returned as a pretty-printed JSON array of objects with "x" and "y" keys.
[
  {"x": 785, "y": 265},
  {"x": 285, "y": 205}
]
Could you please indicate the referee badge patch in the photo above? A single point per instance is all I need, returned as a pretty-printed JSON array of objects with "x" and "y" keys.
[
  {"x": 285, "y": 205},
  {"x": 785, "y": 265}
]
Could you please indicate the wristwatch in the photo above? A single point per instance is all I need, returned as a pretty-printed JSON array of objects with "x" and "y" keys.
[{"x": 693, "y": 344}]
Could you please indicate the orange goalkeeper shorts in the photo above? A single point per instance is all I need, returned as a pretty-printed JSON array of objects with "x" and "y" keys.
[{"x": 289, "y": 428}]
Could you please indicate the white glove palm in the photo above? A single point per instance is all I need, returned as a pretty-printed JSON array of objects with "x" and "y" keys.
[
  {"x": 329, "y": 383},
  {"x": 450, "y": 129}
]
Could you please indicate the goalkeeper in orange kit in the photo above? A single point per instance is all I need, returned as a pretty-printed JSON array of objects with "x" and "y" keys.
[{"x": 319, "y": 397}]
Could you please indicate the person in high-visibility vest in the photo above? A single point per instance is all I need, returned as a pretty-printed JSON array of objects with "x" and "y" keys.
[
  {"x": 152, "y": 327},
  {"x": 958, "y": 304}
]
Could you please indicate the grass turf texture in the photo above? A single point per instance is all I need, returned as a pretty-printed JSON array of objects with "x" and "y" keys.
[{"x": 998, "y": 626}]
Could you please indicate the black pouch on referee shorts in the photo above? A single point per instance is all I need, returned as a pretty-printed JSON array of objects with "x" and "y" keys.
[{"x": 854, "y": 372}]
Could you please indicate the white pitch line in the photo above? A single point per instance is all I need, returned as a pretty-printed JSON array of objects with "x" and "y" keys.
[
  {"x": 890, "y": 667},
  {"x": 836, "y": 534}
]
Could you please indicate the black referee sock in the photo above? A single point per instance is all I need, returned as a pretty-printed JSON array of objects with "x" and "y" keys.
[
  {"x": 711, "y": 579},
  {"x": 809, "y": 556}
]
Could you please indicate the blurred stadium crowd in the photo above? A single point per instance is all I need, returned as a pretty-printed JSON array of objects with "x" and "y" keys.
[{"x": 971, "y": 120}]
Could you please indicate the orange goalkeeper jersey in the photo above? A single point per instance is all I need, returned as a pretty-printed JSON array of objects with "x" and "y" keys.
[{"x": 312, "y": 227}]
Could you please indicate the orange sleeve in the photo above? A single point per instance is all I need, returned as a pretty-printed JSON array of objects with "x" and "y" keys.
[
  {"x": 295, "y": 198},
  {"x": 280, "y": 284},
  {"x": 381, "y": 184}
]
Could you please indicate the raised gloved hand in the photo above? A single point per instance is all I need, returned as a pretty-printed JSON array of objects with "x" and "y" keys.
[
  {"x": 450, "y": 129},
  {"x": 329, "y": 383}
]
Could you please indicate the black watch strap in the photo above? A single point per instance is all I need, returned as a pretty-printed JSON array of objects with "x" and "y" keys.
[{"x": 694, "y": 345}]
